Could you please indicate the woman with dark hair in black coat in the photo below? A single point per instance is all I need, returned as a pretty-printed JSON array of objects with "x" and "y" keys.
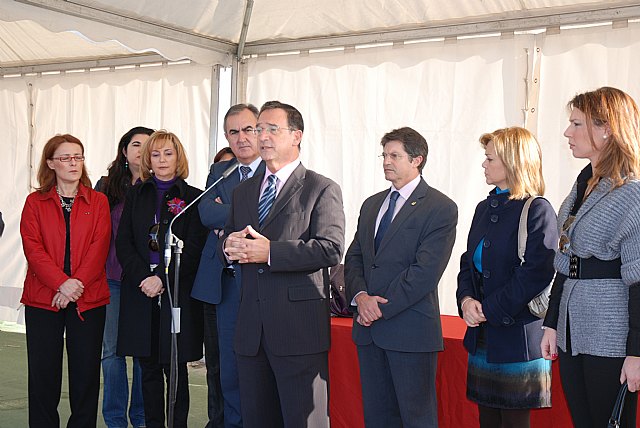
[{"x": 123, "y": 173}]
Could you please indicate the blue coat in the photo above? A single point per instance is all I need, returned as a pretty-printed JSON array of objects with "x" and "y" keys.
[
  {"x": 207, "y": 285},
  {"x": 511, "y": 333}
]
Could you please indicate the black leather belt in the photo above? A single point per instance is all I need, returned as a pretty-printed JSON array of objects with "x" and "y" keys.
[{"x": 594, "y": 268}]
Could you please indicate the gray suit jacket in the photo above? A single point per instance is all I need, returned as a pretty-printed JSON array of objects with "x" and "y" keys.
[
  {"x": 406, "y": 269},
  {"x": 287, "y": 301}
]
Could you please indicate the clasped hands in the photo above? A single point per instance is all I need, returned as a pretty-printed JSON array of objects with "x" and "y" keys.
[
  {"x": 247, "y": 246},
  {"x": 151, "y": 286},
  {"x": 472, "y": 312},
  {"x": 69, "y": 291},
  {"x": 368, "y": 309}
]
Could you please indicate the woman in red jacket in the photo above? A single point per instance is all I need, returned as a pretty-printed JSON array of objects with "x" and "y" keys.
[{"x": 65, "y": 230}]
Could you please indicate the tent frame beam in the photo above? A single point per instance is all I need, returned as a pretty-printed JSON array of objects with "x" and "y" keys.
[
  {"x": 84, "y": 64},
  {"x": 521, "y": 21}
]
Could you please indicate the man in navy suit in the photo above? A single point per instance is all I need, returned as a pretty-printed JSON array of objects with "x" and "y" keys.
[
  {"x": 219, "y": 288},
  {"x": 286, "y": 228},
  {"x": 402, "y": 245}
]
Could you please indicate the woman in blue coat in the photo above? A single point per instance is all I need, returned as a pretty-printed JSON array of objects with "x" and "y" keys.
[{"x": 506, "y": 374}]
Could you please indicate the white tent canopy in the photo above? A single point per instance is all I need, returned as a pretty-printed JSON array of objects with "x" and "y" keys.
[{"x": 355, "y": 69}]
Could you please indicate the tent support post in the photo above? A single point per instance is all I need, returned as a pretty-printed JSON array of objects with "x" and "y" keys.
[
  {"x": 214, "y": 111},
  {"x": 245, "y": 29}
]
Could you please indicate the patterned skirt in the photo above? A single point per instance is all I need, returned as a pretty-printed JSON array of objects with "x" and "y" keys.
[{"x": 522, "y": 385}]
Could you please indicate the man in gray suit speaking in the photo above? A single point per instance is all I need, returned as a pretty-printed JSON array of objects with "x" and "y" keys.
[
  {"x": 401, "y": 247},
  {"x": 285, "y": 228}
]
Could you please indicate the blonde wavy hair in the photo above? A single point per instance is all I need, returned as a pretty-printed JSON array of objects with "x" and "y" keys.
[
  {"x": 159, "y": 139},
  {"x": 521, "y": 155}
]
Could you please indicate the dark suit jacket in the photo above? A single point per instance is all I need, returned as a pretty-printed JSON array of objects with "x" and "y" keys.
[
  {"x": 512, "y": 333},
  {"x": 207, "y": 285},
  {"x": 132, "y": 248},
  {"x": 287, "y": 301},
  {"x": 406, "y": 269}
]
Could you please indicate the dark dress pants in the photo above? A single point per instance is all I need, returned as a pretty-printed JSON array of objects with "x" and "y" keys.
[
  {"x": 398, "y": 388},
  {"x": 591, "y": 386},
  {"x": 212, "y": 361},
  {"x": 284, "y": 391},
  {"x": 45, "y": 343},
  {"x": 227, "y": 313}
]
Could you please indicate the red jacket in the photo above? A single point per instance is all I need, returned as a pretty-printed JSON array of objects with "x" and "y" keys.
[{"x": 43, "y": 232}]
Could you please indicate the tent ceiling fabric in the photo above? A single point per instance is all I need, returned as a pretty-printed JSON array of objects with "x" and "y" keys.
[
  {"x": 25, "y": 43},
  {"x": 208, "y": 31}
]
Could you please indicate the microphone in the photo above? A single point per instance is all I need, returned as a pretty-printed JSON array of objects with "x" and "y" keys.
[{"x": 168, "y": 242}]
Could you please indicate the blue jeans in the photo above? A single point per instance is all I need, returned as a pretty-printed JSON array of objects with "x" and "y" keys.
[{"x": 114, "y": 370}]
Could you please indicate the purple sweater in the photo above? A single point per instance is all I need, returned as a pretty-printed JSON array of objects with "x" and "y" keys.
[{"x": 114, "y": 270}]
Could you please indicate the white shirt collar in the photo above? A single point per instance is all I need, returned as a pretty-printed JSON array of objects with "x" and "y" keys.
[{"x": 408, "y": 188}]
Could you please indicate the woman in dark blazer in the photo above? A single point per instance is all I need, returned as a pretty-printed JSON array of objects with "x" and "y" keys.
[
  {"x": 506, "y": 374},
  {"x": 145, "y": 315}
]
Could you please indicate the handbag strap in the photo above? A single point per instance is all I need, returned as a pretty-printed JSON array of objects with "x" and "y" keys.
[
  {"x": 522, "y": 228},
  {"x": 616, "y": 415}
]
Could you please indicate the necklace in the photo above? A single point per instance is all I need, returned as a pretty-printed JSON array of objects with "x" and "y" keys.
[{"x": 66, "y": 205}]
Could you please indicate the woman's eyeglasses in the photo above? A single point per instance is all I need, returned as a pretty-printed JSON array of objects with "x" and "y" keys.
[
  {"x": 153, "y": 237},
  {"x": 67, "y": 158}
]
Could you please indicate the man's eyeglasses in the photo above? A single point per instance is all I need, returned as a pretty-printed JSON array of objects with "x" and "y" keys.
[
  {"x": 392, "y": 156},
  {"x": 153, "y": 237},
  {"x": 271, "y": 129},
  {"x": 247, "y": 130},
  {"x": 67, "y": 158}
]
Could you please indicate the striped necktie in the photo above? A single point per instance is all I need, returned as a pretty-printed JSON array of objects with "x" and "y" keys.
[
  {"x": 267, "y": 198},
  {"x": 244, "y": 173}
]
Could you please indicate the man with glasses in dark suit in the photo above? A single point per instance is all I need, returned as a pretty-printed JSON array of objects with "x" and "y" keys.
[{"x": 286, "y": 228}]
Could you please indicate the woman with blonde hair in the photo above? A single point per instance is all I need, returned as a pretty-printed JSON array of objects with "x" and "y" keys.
[
  {"x": 506, "y": 374},
  {"x": 65, "y": 229},
  {"x": 145, "y": 308},
  {"x": 594, "y": 311}
]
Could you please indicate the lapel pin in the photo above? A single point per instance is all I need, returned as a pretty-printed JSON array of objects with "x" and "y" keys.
[{"x": 413, "y": 203}]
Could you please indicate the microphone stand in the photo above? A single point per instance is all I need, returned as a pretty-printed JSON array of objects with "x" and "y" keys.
[{"x": 173, "y": 241}]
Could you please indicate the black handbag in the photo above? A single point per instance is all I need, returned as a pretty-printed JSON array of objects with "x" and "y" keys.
[
  {"x": 616, "y": 415},
  {"x": 338, "y": 293}
]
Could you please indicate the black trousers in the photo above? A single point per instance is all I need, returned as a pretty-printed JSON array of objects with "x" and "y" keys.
[
  {"x": 154, "y": 377},
  {"x": 45, "y": 343},
  {"x": 491, "y": 417},
  {"x": 591, "y": 385},
  {"x": 215, "y": 403}
]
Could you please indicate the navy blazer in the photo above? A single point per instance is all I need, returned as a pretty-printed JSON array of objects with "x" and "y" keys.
[
  {"x": 207, "y": 285},
  {"x": 512, "y": 333},
  {"x": 405, "y": 270}
]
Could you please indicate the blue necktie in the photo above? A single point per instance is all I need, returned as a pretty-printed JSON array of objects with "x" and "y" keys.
[
  {"x": 267, "y": 198},
  {"x": 385, "y": 221},
  {"x": 244, "y": 173}
]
